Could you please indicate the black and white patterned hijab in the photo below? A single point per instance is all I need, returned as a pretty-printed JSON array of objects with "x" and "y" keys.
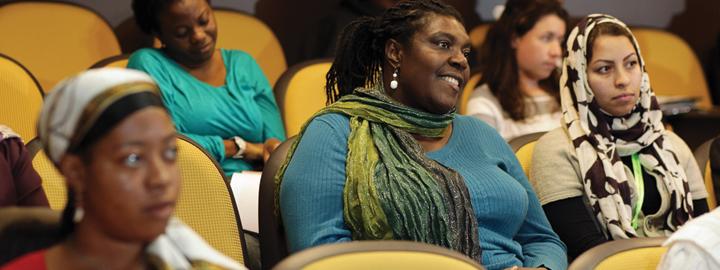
[{"x": 600, "y": 140}]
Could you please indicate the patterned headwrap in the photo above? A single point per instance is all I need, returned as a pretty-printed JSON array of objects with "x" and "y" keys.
[{"x": 600, "y": 140}]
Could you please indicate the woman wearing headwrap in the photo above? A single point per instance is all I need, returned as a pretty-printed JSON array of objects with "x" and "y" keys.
[
  {"x": 612, "y": 171},
  {"x": 108, "y": 133},
  {"x": 390, "y": 159}
]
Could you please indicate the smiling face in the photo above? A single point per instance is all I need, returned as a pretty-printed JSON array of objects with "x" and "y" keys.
[
  {"x": 188, "y": 31},
  {"x": 433, "y": 67},
  {"x": 539, "y": 50},
  {"x": 614, "y": 74},
  {"x": 129, "y": 181}
]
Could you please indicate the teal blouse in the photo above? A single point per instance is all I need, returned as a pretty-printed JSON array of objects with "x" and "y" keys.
[{"x": 244, "y": 106}]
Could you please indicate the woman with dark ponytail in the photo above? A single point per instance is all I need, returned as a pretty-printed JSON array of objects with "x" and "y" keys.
[
  {"x": 390, "y": 159},
  {"x": 108, "y": 133},
  {"x": 518, "y": 93}
]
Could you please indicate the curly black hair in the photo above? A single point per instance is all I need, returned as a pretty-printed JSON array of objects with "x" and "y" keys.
[{"x": 146, "y": 13}]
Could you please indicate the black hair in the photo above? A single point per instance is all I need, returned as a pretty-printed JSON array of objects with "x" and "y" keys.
[
  {"x": 27, "y": 235},
  {"x": 360, "y": 52},
  {"x": 108, "y": 119},
  {"x": 498, "y": 65},
  {"x": 146, "y": 14}
]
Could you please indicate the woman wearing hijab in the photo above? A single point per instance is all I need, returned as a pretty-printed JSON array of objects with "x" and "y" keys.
[
  {"x": 108, "y": 133},
  {"x": 390, "y": 159},
  {"x": 612, "y": 171}
]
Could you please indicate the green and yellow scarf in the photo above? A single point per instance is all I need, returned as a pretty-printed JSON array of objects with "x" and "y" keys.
[{"x": 392, "y": 190}]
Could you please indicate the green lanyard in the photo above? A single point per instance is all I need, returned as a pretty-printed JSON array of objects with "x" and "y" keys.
[{"x": 640, "y": 186}]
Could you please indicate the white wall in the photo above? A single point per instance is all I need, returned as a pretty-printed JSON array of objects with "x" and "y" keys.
[
  {"x": 116, "y": 11},
  {"x": 652, "y": 13}
]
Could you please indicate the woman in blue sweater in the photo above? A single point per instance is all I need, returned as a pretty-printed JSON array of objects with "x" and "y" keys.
[{"x": 390, "y": 159}]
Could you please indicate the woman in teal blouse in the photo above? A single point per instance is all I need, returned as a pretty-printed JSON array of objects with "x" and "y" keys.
[{"x": 219, "y": 98}]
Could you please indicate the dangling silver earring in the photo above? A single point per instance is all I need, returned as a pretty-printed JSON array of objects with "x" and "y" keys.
[
  {"x": 394, "y": 82},
  {"x": 79, "y": 214}
]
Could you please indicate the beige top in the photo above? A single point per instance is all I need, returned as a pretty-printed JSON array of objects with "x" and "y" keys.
[
  {"x": 555, "y": 171},
  {"x": 543, "y": 113}
]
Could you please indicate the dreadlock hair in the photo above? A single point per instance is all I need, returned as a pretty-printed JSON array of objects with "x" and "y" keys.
[
  {"x": 360, "y": 52},
  {"x": 146, "y": 13},
  {"x": 498, "y": 64}
]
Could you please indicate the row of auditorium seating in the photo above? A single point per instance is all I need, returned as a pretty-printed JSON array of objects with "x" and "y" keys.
[
  {"x": 524, "y": 146},
  {"x": 56, "y": 39},
  {"x": 641, "y": 253},
  {"x": 206, "y": 189},
  {"x": 80, "y": 38},
  {"x": 207, "y": 205},
  {"x": 299, "y": 93}
]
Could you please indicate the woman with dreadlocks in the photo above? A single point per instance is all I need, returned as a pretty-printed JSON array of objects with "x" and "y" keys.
[{"x": 390, "y": 159}]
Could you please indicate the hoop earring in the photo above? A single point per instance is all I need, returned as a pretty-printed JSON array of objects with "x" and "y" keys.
[{"x": 394, "y": 82}]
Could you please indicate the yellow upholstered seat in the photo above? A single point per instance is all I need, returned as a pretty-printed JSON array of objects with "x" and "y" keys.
[
  {"x": 467, "y": 91},
  {"x": 206, "y": 202},
  {"x": 523, "y": 147},
  {"x": 709, "y": 185},
  {"x": 54, "y": 39},
  {"x": 20, "y": 98},
  {"x": 477, "y": 35},
  {"x": 636, "y": 253},
  {"x": 524, "y": 155},
  {"x": 378, "y": 255},
  {"x": 673, "y": 67},
  {"x": 702, "y": 156},
  {"x": 242, "y": 31},
  {"x": 273, "y": 245},
  {"x": 119, "y": 61},
  {"x": 52, "y": 181},
  {"x": 300, "y": 93}
]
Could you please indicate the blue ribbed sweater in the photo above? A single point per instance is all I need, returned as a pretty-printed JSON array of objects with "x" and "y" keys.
[{"x": 513, "y": 228}]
